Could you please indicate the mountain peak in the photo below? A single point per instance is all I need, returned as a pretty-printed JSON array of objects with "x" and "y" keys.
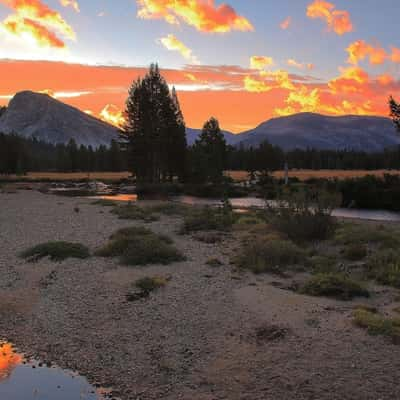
[{"x": 39, "y": 115}]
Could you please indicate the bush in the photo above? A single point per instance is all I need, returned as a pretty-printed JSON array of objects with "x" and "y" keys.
[
  {"x": 208, "y": 219},
  {"x": 347, "y": 234},
  {"x": 377, "y": 325},
  {"x": 140, "y": 246},
  {"x": 134, "y": 212},
  {"x": 322, "y": 264},
  {"x": 149, "y": 284},
  {"x": 267, "y": 254},
  {"x": 384, "y": 267},
  {"x": 57, "y": 251},
  {"x": 305, "y": 216},
  {"x": 355, "y": 252},
  {"x": 334, "y": 285},
  {"x": 170, "y": 208}
]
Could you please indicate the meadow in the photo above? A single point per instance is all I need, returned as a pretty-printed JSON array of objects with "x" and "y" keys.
[{"x": 238, "y": 176}]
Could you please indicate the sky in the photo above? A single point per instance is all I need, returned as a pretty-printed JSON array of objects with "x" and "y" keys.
[{"x": 242, "y": 61}]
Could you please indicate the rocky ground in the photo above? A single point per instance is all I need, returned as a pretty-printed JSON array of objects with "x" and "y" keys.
[{"x": 211, "y": 333}]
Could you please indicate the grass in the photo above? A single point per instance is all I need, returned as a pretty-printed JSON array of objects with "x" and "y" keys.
[
  {"x": 334, "y": 285},
  {"x": 267, "y": 254},
  {"x": 140, "y": 246},
  {"x": 376, "y": 324},
  {"x": 57, "y": 251},
  {"x": 355, "y": 252},
  {"x": 384, "y": 267},
  {"x": 350, "y": 233},
  {"x": 134, "y": 212},
  {"x": 104, "y": 203},
  {"x": 150, "y": 284},
  {"x": 208, "y": 219}
]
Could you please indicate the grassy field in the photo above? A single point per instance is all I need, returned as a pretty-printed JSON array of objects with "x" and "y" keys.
[
  {"x": 304, "y": 174},
  {"x": 236, "y": 175}
]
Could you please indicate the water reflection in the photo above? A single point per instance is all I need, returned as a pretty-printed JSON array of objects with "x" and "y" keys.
[
  {"x": 9, "y": 360},
  {"x": 22, "y": 380},
  {"x": 118, "y": 197}
]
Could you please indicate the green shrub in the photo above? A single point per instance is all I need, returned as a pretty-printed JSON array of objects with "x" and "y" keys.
[
  {"x": 208, "y": 219},
  {"x": 170, "y": 208},
  {"x": 140, "y": 246},
  {"x": 355, "y": 252},
  {"x": 57, "y": 251},
  {"x": 149, "y": 284},
  {"x": 134, "y": 212},
  {"x": 384, "y": 267},
  {"x": 322, "y": 264},
  {"x": 347, "y": 234},
  {"x": 377, "y": 325},
  {"x": 334, "y": 285},
  {"x": 266, "y": 254},
  {"x": 305, "y": 216}
]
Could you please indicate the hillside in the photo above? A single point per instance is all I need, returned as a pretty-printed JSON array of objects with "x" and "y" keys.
[{"x": 38, "y": 115}]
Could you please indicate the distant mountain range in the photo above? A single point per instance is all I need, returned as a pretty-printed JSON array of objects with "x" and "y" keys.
[
  {"x": 39, "y": 115},
  {"x": 34, "y": 114}
]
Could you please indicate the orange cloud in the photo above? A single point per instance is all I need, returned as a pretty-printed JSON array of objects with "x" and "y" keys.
[
  {"x": 286, "y": 23},
  {"x": 260, "y": 62},
  {"x": 360, "y": 50},
  {"x": 205, "y": 90},
  {"x": 352, "y": 79},
  {"x": 204, "y": 15},
  {"x": 35, "y": 20},
  {"x": 293, "y": 63},
  {"x": 338, "y": 21},
  {"x": 395, "y": 56},
  {"x": 70, "y": 3},
  {"x": 171, "y": 42},
  {"x": 25, "y": 26},
  {"x": 113, "y": 115}
]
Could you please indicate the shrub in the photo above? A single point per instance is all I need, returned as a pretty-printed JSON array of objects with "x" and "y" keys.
[
  {"x": 266, "y": 254},
  {"x": 375, "y": 324},
  {"x": 208, "y": 219},
  {"x": 334, "y": 285},
  {"x": 134, "y": 212},
  {"x": 347, "y": 234},
  {"x": 149, "y": 284},
  {"x": 355, "y": 252},
  {"x": 305, "y": 216},
  {"x": 57, "y": 251},
  {"x": 170, "y": 208},
  {"x": 322, "y": 264},
  {"x": 140, "y": 246},
  {"x": 384, "y": 267}
]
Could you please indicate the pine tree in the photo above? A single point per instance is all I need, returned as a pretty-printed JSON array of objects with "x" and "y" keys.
[
  {"x": 209, "y": 154},
  {"x": 154, "y": 131},
  {"x": 395, "y": 112}
]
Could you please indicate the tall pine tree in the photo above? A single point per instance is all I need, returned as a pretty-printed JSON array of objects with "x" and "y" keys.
[
  {"x": 395, "y": 112},
  {"x": 155, "y": 130}
]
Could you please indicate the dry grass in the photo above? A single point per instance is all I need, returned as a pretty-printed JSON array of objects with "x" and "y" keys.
[
  {"x": 305, "y": 174},
  {"x": 236, "y": 175}
]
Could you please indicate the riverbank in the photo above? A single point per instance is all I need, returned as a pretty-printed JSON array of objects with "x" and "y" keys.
[{"x": 198, "y": 338}]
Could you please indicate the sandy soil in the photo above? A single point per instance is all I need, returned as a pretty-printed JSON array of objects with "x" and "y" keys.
[{"x": 197, "y": 339}]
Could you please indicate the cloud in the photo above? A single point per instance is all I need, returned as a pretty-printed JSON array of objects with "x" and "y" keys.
[
  {"x": 71, "y": 3},
  {"x": 172, "y": 43},
  {"x": 204, "y": 15},
  {"x": 360, "y": 50},
  {"x": 338, "y": 21},
  {"x": 261, "y": 62},
  {"x": 253, "y": 85},
  {"x": 36, "y": 21},
  {"x": 351, "y": 79},
  {"x": 286, "y": 23},
  {"x": 293, "y": 63},
  {"x": 113, "y": 115},
  {"x": 395, "y": 56}
]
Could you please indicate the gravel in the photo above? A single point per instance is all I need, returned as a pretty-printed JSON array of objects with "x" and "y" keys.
[{"x": 194, "y": 339}]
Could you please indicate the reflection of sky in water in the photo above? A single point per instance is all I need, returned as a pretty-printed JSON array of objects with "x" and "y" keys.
[{"x": 19, "y": 381}]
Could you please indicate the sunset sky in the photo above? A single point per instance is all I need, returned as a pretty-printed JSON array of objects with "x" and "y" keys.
[{"x": 242, "y": 61}]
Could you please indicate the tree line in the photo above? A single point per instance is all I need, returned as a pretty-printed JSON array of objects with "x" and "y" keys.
[{"x": 153, "y": 146}]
